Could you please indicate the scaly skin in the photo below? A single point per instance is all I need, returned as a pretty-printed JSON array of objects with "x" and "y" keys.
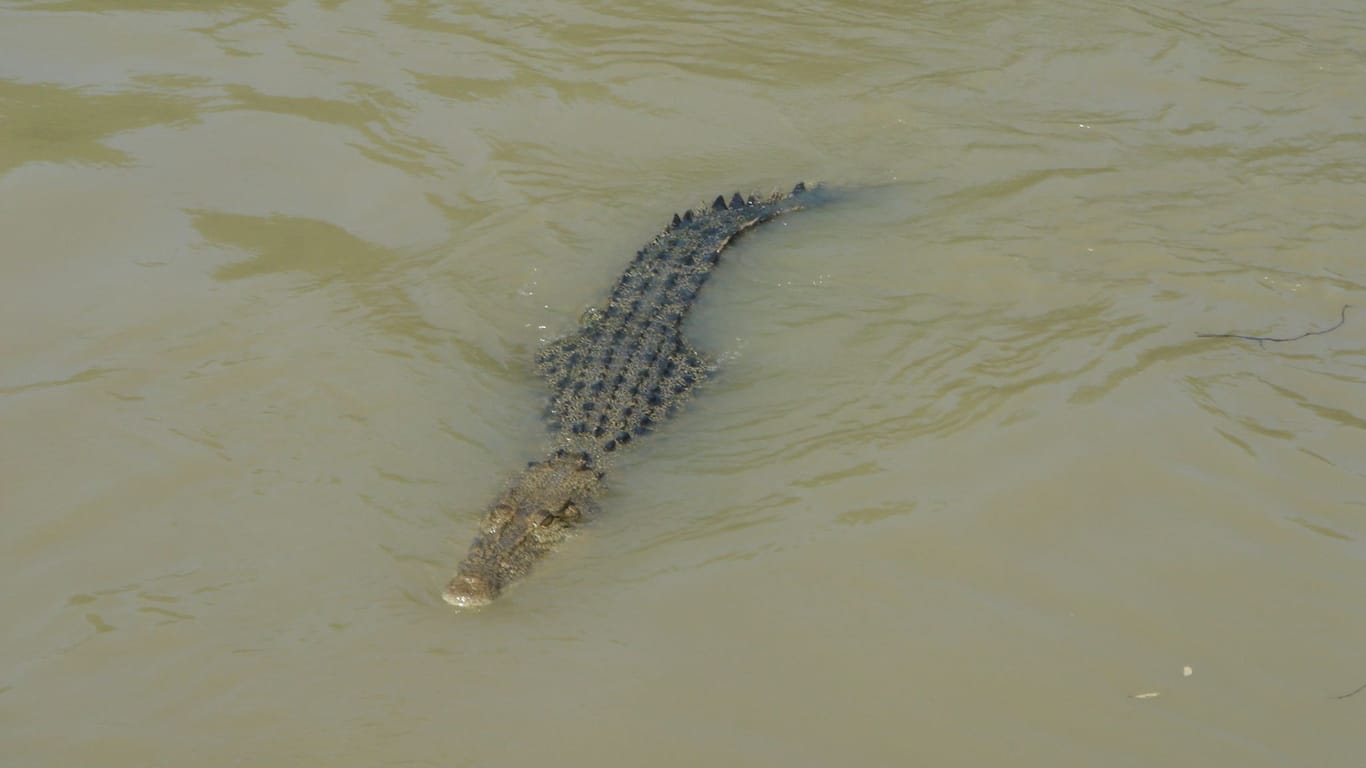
[
  {"x": 523, "y": 525},
  {"x": 625, "y": 371}
]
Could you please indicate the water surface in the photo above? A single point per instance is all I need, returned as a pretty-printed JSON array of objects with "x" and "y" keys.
[{"x": 968, "y": 489}]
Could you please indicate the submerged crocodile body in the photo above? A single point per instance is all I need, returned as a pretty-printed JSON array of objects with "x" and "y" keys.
[{"x": 625, "y": 371}]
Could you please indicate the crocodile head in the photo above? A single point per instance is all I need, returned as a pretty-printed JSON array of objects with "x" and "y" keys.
[{"x": 534, "y": 515}]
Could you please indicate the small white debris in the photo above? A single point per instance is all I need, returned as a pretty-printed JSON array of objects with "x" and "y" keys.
[
  {"x": 1148, "y": 695},
  {"x": 1186, "y": 671}
]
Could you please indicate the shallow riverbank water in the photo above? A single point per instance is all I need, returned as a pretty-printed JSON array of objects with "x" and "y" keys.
[{"x": 968, "y": 490}]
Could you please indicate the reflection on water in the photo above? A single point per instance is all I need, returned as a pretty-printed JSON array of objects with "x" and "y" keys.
[
  {"x": 51, "y": 123},
  {"x": 967, "y": 489}
]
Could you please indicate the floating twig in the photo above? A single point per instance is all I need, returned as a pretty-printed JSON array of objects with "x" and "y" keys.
[
  {"x": 1259, "y": 339},
  {"x": 1359, "y": 689}
]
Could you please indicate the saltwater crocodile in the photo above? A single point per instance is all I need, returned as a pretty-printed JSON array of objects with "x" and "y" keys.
[{"x": 626, "y": 370}]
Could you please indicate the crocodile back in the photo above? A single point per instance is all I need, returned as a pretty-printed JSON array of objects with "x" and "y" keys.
[{"x": 629, "y": 367}]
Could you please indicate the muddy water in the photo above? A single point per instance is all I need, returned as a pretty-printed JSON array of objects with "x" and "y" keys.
[{"x": 968, "y": 490}]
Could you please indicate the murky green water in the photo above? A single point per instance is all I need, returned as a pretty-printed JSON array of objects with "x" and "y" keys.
[{"x": 968, "y": 491}]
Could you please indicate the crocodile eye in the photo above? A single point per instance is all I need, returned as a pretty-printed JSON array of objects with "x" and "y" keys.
[{"x": 543, "y": 531}]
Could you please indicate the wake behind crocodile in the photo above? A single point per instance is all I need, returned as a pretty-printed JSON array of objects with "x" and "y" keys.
[{"x": 628, "y": 369}]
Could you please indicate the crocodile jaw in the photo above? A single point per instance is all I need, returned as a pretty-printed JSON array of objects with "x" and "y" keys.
[
  {"x": 525, "y": 524},
  {"x": 512, "y": 540}
]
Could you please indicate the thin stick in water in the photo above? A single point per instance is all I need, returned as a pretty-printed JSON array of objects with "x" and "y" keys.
[
  {"x": 1341, "y": 319},
  {"x": 1353, "y": 693}
]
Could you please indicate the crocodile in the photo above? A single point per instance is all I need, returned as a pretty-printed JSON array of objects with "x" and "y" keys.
[{"x": 626, "y": 370}]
